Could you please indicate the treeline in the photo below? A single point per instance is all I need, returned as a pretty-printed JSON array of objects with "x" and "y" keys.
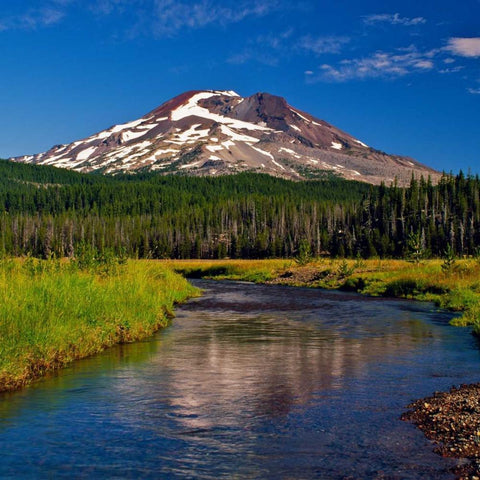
[
  {"x": 50, "y": 211},
  {"x": 426, "y": 218}
]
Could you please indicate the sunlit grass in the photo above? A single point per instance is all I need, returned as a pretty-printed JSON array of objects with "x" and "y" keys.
[
  {"x": 246, "y": 270},
  {"x": 51, "y": 313}
]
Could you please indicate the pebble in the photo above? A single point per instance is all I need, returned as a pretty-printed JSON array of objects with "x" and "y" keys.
[{"x": 452, "y": 420}]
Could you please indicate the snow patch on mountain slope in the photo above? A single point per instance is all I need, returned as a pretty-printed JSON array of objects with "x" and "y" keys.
[
  {"x": 99, "y": 136},
  {"x": 291, "y": 152},
  {"x": 191, "y": 135},
  {"x": 148, "y": 126},
  {"x": 239, "y": 137},
  {"x": 300, "y": 115},
  {"x": 124, "y": 151},
  {"x": 51, "y": 160},
  {"x": 84, "y": 154},
  {"x": 127, "y": 130},
  {"x": 125, "y": 126},
  {"x": 268, "y": 154},
  {"x": 163, "y": 152},
  {"x": 191, "y": 165},
  {"x": 228, "y": 143},
  {"x": 192, "y": 108},
  {"x": 128, "y": 135},
  {"x": 228, "y": 93},
  {"x": 214, "y": 148}
]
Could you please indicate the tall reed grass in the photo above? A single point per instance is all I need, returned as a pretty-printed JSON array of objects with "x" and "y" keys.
[{"x": 53, "y": 312}]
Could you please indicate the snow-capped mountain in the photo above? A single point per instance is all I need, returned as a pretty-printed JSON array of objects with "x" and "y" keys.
[{"x": 218, "y": 132}]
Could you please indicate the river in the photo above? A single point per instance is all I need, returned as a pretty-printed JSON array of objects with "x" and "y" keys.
[{"x": 249, "y": 382}]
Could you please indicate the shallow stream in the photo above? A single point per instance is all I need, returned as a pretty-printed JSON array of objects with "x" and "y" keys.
[{"x": 249, "y": 382}]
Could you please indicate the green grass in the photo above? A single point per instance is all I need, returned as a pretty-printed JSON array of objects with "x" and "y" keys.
[
  {"x": 52, "y": 313},
  {"x": 257, "y": 271}
]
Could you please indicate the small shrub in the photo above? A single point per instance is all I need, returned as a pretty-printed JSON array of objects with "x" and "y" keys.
[
  {"x": 460, "y": 299},
  {"x": 448, "y": 259},
  {"x": 353, "y": 285},
  {"x": 359, "y": 262},
  {"x": 403, "y": 288},
  {"x": 105, "y": 262},
  {"x": 35, "y": 266},
  {"x": 344, "y": 270},
  {"x": 415, "y": 248},
  {"x": 304, "y": 255}
]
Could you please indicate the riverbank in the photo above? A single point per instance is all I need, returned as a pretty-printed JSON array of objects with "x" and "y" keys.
[
  {"x": 54, "y": 312},
  {"x": 451, "y": 420},
  {"x": 454, "y": 286}
]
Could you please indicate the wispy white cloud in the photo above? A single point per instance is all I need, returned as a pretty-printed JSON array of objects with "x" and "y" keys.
[
  {"x": 276, "y": 41},
  {"x": 33, "y": 19},
  {"x": 265, "y": 49},
  {"x": 322, "y": 45},
  {"x": 392, "y": 19},
  {"x": 106, "y": 7},
  {"x": 456, "y": 69},
  {"x": 379, "y": 65},
  {"x": 464, "y": 47},
  {"x": 402, "y": 62},
  {"x": 62, "y": 3},
  {"x": 270, "y": 48},
  {"x": 158, "y": 17},
  {"x": 475, "y": 90},
  {"x": 251, "y": 55},
  {"x": 171, "y": 16}
]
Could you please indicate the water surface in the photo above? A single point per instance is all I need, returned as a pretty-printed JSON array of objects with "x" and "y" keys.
[{"x": 249, "y": 382}]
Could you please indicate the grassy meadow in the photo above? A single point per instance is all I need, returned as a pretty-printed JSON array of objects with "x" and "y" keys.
[
  {"x": 453, "y": 284},
  {"x": 53, "y": 312}
]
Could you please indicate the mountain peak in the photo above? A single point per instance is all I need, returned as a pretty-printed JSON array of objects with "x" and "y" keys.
[{"x": 210, "y": 132}]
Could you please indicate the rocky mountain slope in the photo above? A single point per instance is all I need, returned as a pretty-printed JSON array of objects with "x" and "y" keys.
[{"x": 219, "y": 132}]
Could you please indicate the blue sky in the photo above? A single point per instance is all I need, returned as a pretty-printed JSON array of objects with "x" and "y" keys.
[{"x": 403, "y": 77}]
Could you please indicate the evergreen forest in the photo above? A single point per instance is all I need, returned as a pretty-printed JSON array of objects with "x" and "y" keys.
[{"x": 47, "y": 211}]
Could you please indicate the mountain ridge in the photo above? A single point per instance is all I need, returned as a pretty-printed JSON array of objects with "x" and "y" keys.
[{"x": 213, "y": 132}]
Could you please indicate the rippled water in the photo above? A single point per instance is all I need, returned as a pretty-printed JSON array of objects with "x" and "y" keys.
[{"x": 249, "y": 382}]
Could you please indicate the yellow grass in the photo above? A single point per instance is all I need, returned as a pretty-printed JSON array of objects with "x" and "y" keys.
[{"x": 52, "y": 313}]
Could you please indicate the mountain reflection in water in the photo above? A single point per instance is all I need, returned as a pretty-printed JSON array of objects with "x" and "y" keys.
[{"x": 248, "y": 382}]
